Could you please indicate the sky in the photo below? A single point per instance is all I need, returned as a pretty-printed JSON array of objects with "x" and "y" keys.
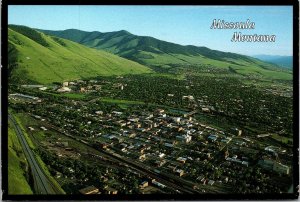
[{"x": 185, "y": 25}]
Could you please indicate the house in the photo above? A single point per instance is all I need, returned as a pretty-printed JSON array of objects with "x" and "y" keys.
[
  {"x": 159, "y": 111},
  {"x": 31, "y": 128},
  {"x": 142, "y": 157},
  {"x": 169, "y": 145},
  {"x": 58, "y": 175},
  {"x": 122, "y": 123},
  {"x": 65, "y": 84},
  {"x": 181, "y": 159},
  {"x": 132, "y": 135},
  {"x": 161, "y": 155},
  {"x": 82, "y": 89},
  {"x": 109, "y": 190},
  {"x": 103, "y": 145},
  {"x": 117, "y": 113},
  {"x": 184, "y": 138},
  {"x": 224, "y": 179},
  {"x": 99, "y": 112},
  {"x": 190, "y": 97},
  {"x": 43, "y": 88},
  {"x": 89, "y": 190},
  {"x": 236, "y": 131},
  {"x": 63, "y": 89},
  {"x": 177, "y": 119},
  {"x": 211, "y": 182},
  {"x": 42, "y": 127},
  {"x": 144, "y": 184},
  {"x": 213, "y": 138},
  {"x": 179, "y": 172},
  {"x": 138, "y": 125},
  {"x": 205, "y": 109},
  {"x": 159, "y": 163}
]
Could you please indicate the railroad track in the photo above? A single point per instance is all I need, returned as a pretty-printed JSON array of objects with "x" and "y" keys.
[{"x": 42, "y": 185}]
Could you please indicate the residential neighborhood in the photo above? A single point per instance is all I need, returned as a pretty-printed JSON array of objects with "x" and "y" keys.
[{"x": 150, "y": 144}]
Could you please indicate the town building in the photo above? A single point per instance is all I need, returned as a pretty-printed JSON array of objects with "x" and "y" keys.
[
  {"x": 184, "y": 138},
  {"x": 110, "y": 190},
  {"x": 64, "y": 89},
  {"x": 65, "y": 84},
  {"x": 144, "y": 184},
  {"x": 89, "y": 190}
]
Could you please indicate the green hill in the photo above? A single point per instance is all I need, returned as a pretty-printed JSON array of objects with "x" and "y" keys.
[
  {"x": 156, "y": 53},
  {"x": 34, "y": 57}
]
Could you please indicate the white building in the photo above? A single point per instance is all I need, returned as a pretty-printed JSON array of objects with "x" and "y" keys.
[
  {"x": 65, "y": 84},
  {"x": 63, "y": 89}
]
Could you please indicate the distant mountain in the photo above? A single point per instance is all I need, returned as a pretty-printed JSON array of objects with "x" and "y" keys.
[
  {"x": 161, "y": 54},
  {"x": 142, "y": 48},
  {"x": 37, "y": 58},
  {"x": 283, "y": 61}
]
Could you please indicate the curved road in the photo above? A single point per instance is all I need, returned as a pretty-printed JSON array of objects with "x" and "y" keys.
[{"x": 42, "y": 185}]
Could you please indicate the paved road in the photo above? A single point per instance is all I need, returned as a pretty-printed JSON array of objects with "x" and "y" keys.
[{"x": 42, "y": 185}]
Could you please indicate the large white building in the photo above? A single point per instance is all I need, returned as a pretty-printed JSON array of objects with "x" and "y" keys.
[{"x": 63, "y": 89}]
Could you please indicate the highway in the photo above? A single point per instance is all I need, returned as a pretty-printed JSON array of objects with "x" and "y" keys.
[{"x": 42, "y": 185}]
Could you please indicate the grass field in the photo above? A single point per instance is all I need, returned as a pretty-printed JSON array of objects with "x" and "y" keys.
[
  {"x": 117, "y": 101},
  {"x": 57, "y": 63},
  {"x": 78, "y": 96}
]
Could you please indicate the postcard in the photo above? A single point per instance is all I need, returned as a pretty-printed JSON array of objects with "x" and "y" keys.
[{"x": 155, "y": 102}]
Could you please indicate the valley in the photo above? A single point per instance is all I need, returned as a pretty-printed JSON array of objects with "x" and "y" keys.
[{"x": 115, "y": 113}]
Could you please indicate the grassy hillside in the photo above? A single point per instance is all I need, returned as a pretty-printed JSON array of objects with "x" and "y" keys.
[
  {"x": 17, "y": 164},
  {"x": 153, "y": 52},
  {"x": 37, "y": 58}
]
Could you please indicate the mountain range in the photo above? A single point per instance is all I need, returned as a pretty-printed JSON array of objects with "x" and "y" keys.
[
  {"x": 283, "y": 61},
  {"x": 35, "y": 57},
  {"x": 149, "y": 50},
  {"x": 153, "y": 52},
  {"x": 45, "y": 56}
]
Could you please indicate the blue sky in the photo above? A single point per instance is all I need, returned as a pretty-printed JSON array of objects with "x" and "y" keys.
[{"x": 186, "y": 25}]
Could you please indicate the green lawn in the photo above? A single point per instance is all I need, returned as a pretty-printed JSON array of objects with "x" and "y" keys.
[
  {"x": 117, "y": 101},
  {"x": 281, "y": 139}
]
